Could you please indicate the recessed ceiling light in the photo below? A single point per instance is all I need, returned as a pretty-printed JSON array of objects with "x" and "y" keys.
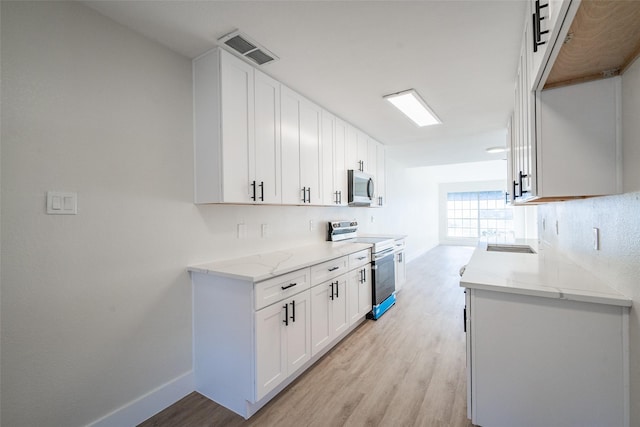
[
  {"x": 493, "y": 150},
  {"x": 414, "y": 107}
]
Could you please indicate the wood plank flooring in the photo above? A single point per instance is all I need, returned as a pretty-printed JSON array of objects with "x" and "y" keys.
[{"x": 405, "y": 369}]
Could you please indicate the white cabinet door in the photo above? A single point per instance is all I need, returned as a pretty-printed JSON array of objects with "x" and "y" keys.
[
  {"x": 360, "y": 294},
  {"x": 371, "y": 165},
  {"x": 339, "y": 163},
  {"x": 365, "y": 293},
  {"x": 329, "y": 196},
  {"x": 290, "y": 139},
  {"x": 300, "y": 136},
  {"x": 299, "y": 331},
  {"x": 271, "y": 349},
  {"x": 401, "y": 270},
  {"x": 283, "y": 341},
  {"x": 310, "y": 118},
  {"x": 320, "y": 319},
  {"x": 265, "y": 155},
  {"x": 237, "y": 126},
  {"x": 362, "y": 142},
  {"x": 222, "y": 84},
  {"x": 351, "y": 149},
  {"x": 339, "y": 307},
  {"x": 329, "y": 312}
]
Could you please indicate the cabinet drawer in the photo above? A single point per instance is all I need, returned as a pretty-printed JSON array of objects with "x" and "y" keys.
[
  {"x": 359, "y": 259},
  {"x": 328, "y": 270},
  {"x": 273, "y": 290}
]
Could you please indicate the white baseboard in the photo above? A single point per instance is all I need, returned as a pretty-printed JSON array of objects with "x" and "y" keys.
[{"x": 140, "y": 409}]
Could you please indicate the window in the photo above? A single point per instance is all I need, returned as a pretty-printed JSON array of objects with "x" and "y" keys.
[{"x": 481, "y": 215}]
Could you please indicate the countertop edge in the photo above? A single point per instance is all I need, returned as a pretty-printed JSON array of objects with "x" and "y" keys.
[
  {"x": 551, "y": 294},
  {"x": 222, "y": 268}
]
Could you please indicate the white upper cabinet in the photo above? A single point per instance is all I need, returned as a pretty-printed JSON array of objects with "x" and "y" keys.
[
  {"x": 340, "y": 163},
  {"x": 300, "y": 136},
  {"x": 257, "y": 141},
  {"x": 579, "y": 140},
  {"x": 381, "y": 183},
  {"x": 266, "y": 156},
  {"x": 222, "y": 83},
  {"x": 334, "y": 173},
  {"x": 237, "y": 131},
  {"x": 565, "y": 142}
]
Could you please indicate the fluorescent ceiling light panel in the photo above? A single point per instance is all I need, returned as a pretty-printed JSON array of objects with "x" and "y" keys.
[{"x": 414, "y": 107}]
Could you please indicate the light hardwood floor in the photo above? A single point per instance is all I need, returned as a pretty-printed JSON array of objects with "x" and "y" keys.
[{"x": 405, "y": 369}]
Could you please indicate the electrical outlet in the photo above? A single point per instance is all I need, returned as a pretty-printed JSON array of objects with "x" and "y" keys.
[
  {"x": 264, "y": 230},
  {"x": 311, "y": 226},
  {"x": 596, "y": 238},
  {"x": 557, "y": 229}
]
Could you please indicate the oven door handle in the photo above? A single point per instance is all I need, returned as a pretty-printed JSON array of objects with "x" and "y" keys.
[{"x": 382, "y": 255}]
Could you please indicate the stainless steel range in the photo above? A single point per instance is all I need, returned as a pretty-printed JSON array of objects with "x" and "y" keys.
[{"x": 382, "y": 264}]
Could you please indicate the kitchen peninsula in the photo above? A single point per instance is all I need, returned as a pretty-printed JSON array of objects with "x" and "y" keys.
[{"x": 547, "y": 342}]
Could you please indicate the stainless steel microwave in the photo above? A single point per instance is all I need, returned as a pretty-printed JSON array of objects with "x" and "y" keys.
[{"x": 361, "y": 189}]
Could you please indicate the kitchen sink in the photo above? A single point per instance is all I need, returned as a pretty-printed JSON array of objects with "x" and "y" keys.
[{"x": 520, "y": 249}]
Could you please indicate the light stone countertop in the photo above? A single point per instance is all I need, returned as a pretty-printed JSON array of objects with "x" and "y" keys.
[
  {"x": 543, "y": 274},
  {"x": 256, "y": 268}
]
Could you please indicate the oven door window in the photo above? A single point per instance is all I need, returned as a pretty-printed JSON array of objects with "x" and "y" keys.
[{"x": 383, "y": 279}]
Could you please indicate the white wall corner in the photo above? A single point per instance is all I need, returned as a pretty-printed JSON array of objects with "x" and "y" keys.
[{"x": 145, "y": 406}]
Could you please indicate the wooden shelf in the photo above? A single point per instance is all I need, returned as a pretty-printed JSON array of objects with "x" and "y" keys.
[{"x": 603, "y": 40}]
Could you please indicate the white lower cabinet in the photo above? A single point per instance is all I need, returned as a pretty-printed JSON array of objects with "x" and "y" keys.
[
  {"x": 328, "y": 312},
  {"x": 360, "y": 294},
  {"x": 545, "y": 361},
  {"x": 282, "y": 341},
  {"x": 252, "y": 339}
]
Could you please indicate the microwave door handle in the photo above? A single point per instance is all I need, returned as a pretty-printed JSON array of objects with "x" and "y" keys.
[{"x": 370, "y": 188}]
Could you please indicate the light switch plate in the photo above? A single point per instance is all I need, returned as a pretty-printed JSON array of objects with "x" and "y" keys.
[
  {"x": 62, "y": 203},
  {"x": 596, "y": 239}
]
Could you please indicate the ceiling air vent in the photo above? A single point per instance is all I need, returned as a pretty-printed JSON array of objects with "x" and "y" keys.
[{"x": 242, "y": 45}]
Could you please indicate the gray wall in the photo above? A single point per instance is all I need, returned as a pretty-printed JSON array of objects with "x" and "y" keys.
[{"x": 618, "y": 218}]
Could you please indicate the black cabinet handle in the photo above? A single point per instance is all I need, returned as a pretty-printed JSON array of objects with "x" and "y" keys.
[
  {"x": 337, "y": 289},
  {"x": 464, "y": 318},
  {"x": 261, "y": 191},
  {"x": 334, "y": 268},
  {"x": 520, "y": 185},
  {"x": 293, "y": 311},
  {"x": 253, "y": 186},
  {"x": 304, "y": 194},
  {"x": 286, "y": 315},
  {"x": 340, "y": 192},
  {"x": 537, "y": 31},
  {"x": 515, "y": 184},
  {"x": 290, "y": 285},
  {"x": 309, "y": 196},
  {"x": 332, "y": 294},
  {"x": 336, "y": 199}
]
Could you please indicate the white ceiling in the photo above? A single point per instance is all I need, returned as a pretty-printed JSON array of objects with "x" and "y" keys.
[{"x": 345, "y": 55}]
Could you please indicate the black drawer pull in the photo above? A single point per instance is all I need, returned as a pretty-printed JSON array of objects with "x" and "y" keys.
[
  {"x": 334, "y": 268},
  {"x": 291, "y": 285}
]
